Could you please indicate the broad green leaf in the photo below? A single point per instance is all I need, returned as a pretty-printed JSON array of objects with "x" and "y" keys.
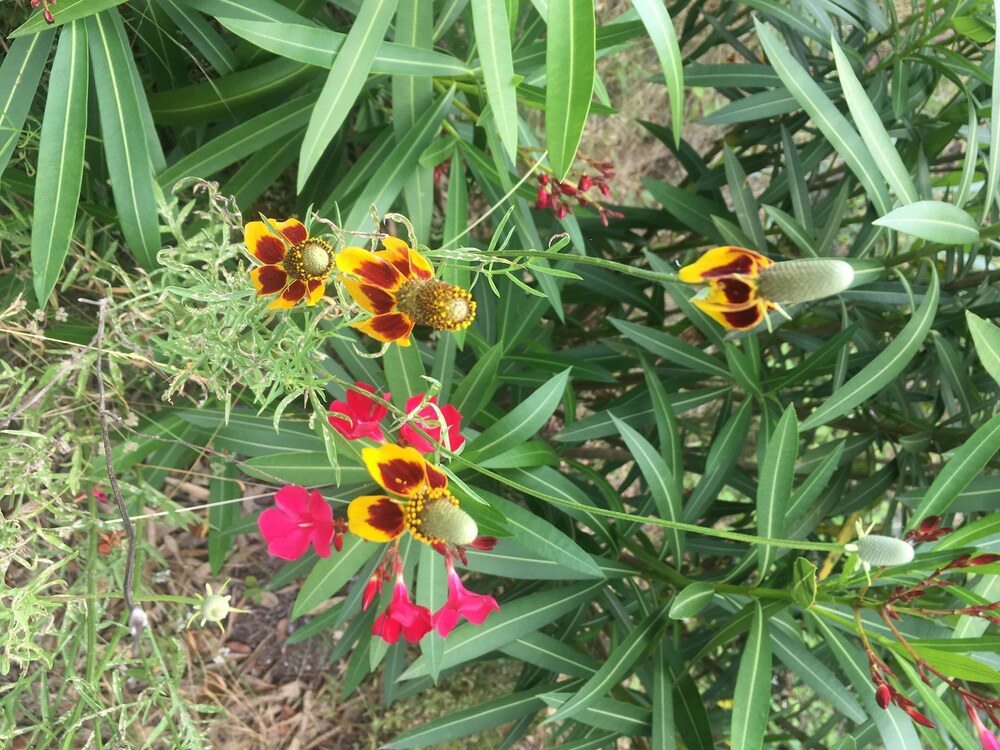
[
  {"x": 959, "y": 666},
  {"x": 221, "y": 98},
  {"x": 387, "y": 182},
  {"x": 345, "y": 81},
  {"x": 605, "y": 713},
  {"x": 636, "y": 645},
  {"x": 935, "y": 221},
  {"x": 60, "y": 160},
  {"x": 515, "y": 619},
  {"x": 538, "y": 535},
  {"x": 570, "y": 66},
  {"x": 732, "y": 75},
  {"x": 662, "y": 485},
  {"x": 478, "y": 386},
  {"x": 692, "y": 210},
  {"x": 523, "y": 456},
  {"x": 691, "y": 600},
  {"x": 986, "y": 337},
  {"x": 492, "y": 28},
  {"x": 307, "y": 468},
  {"x": 125, "y": 144},
  {"x": 65, "y": 12},
  {"x": 676, "y": 352},
  {"x": 19, "y": 76},
  {"x": 752, "y": 696},
  {"x": 964, "y": 465},
  {"x": 318, "y": 46},
  {"x": 329, "y": 575},
  {"x": 252, "y": 136},
  {"x": 827, "y": 117},
  {"x": 660, "y": 28},
  {"x": 872, "y": 131},
  {"x": 882, "y": 370},
  {"x": 432, "y": 592},
  {"x": 523, "y": 421},
  {"x": 775, "y": 485}
]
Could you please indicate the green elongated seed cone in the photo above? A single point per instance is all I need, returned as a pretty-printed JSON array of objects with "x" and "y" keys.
[
  {"x": 879, "y": 551},
  {"x": 804, "y": 279},
  {"x": 442, "y": 520}
]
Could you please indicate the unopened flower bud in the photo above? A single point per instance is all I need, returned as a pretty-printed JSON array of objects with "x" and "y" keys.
[
  {"x": 883, "y": 696},
  {"x": 804, "y": 279},
  {"x": 585, "y": 183},
  {"x": 882, "y": 551}
]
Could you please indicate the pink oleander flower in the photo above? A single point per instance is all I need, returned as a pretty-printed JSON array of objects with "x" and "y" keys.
[
  {"x": 359, "y": 416},
  {"x": 987, "y": 739},
  {"x": 429, "y": 420},
  {"x": 402, "y": 617},
  {"x": 461, "y": 603},
  {"x": 300, "y": 518}
]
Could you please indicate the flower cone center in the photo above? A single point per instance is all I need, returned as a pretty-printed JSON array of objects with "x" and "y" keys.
[
  {"x": 434, "y": 518},
  {"x": 804, "y": 279},
  {"x": 311, "y": 260},
  {"x": 437, "y": 304}
]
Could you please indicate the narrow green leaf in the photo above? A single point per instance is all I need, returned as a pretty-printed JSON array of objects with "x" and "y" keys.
[
  {"x": 221, "y": 98},
  {"x": 723, "y": 453},
  {"x": 935, "y": 221},
  {"x": 661, "y": 31},
  {"x": 538, "y": 535},
  {"x": 262, "y": 170},
  {"x": 676, "y": 352},
  {"x": 330, "y": 574},
  {"x": 202, "y": 36},
  {"x": 66, "y": 12},
  {"x": 752, "y": 696},
  {"x": 307, "y": 468},
  {"x": 345, "y": 81},
  {"x": 258, "y": 10},
  {"x": 993, "y": 160},
  {"x": 889, "y": 363},
  {"x": 489, "y": 19},
  {"x": 390, "y": 176},
  {"x": 222, "y": 515},
  {"x": 432, "y": 592},
  {"x": 691, "y": 600},
  {"x": 664, "y": 728},
  {"x": 404, "y": 372},
  {"x": 815, "y": 483},
  {"x": 872, "y": 131},
  {"x": 252, "y": 136},
  {"x": 523, "y": 421},
  {"x": 477, "y": 388},
  {"x": 827, "y": 117},
  {"x": 570, "y": 65},
  {"x": 744, "y": 204},
  {"x": 775, "y": 485},
  {"x": 636, "y": 645},
  {"x": 320, "y": 47},
  {"x": 693, "y": 211},
  {"x": 964, "y": 465},
  {"x": 125, "y": 146},
  {"x": 986, "y": 337},
  {"x": 667, "y": 429},
  {"x": 20, "y": 73},
  {"x": 960, "y": 666},
  {"x": 551, "y": 654},
  {"x": 662, "y": 485},
  {"x": 60, "y": 160},
  {"x": 814, "y": 673},
  {"x": 515, "y": 619}
]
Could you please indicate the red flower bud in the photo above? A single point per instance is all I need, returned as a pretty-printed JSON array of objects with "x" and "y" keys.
[
  {"x": 567, "y": 189},
  {"x": 562, "y": 211},
  {"x": 919, "y": 718},
  {"x": 929, "y": 524},
  {"x": 883, "y": 696},
  {"x": 47, "y": 14},
  {"x": 543, "y": 178},
  {"x": 586, "y": 183},
  {"x": 986, "y": 559},
  {"x": 605, "y": 190},
  {"x": 542, "y": 198}
]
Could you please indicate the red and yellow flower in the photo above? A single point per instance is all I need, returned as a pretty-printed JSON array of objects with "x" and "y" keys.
[
  {"x": 743, "y": 285},
  {"x": 419, "y": 502},
  {"x": 732, "y": 297},
  {"x": 294, "y": 265},
  {"x": 398, "y": 287}
]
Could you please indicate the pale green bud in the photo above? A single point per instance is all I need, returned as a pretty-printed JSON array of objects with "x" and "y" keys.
[{"x": 804, "y": 279}]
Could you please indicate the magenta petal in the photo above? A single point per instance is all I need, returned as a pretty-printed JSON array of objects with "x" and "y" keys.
[
  {"x": 293, "y": 499},
  {"x": 320, "y": 511},
  {"x": 321, "y": 537},
  {"x": 386, "y": 628},
  {"x": 445, "y": 620}
]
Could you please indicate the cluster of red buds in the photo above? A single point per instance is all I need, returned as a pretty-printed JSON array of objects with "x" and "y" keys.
[
  {"x": 930, "y": 529},
  {"x": 556, "y": 195},
  {"x": 441, "y": 170},
  {"x": 46, "y": 13}
]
